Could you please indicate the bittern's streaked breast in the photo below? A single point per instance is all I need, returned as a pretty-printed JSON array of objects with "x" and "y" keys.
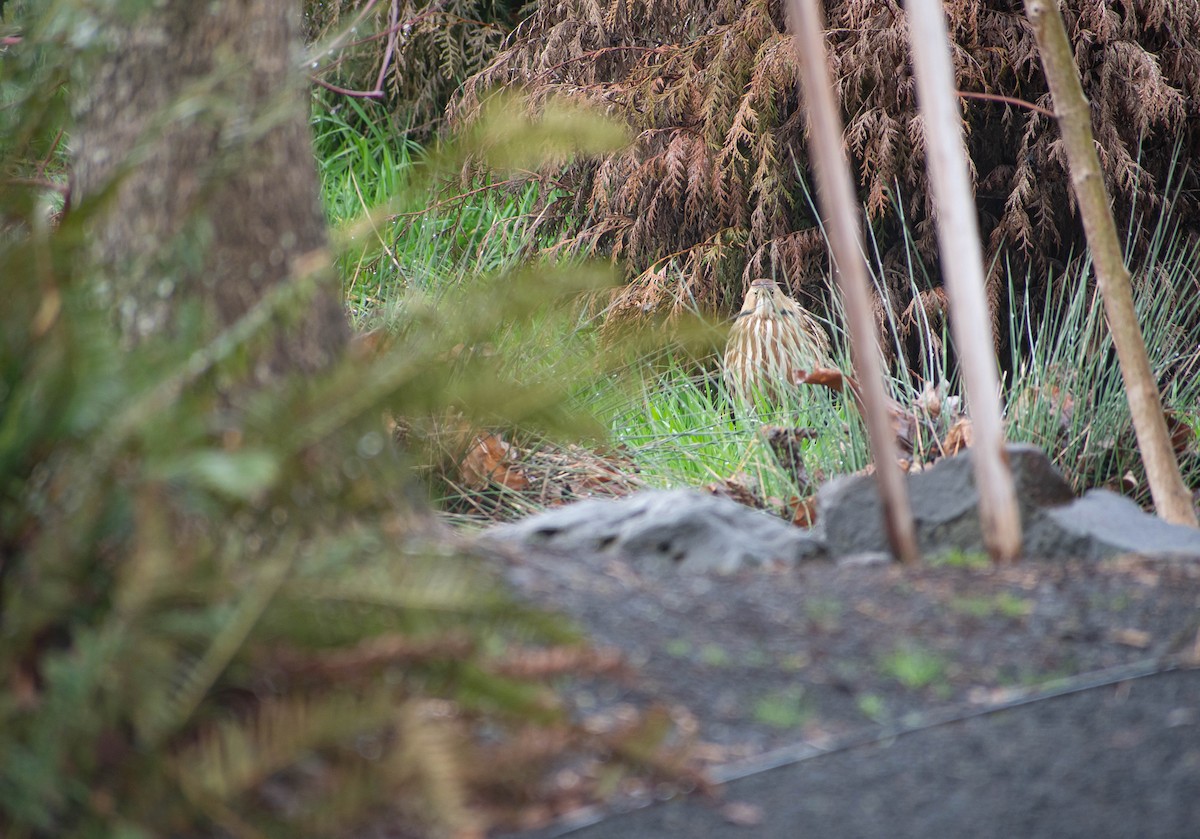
[{"x": 771, "y": 338}]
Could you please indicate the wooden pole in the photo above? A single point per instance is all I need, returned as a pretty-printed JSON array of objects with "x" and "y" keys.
[
  {"x": 1171, "y": 498},
  {"x": 962, "y": 272},
  {"x": 836, "y": 193}
]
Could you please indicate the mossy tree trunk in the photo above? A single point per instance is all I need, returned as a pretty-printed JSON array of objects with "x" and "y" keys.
[{"x": 192, "y": 129}]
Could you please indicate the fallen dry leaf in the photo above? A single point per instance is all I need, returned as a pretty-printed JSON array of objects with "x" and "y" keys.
[
  {"x": 367, "y": 345},
  {"x": 931, "y": 399},
  {"x": 959, "y": 437},
  {"x": 740, "y": 488},
  {"x": 804, "y": 511},
  {"x": 829, "y": 377},
  {"x": 1136, "y": 638},
  {"x": 1181, "y": 433},
  {"x": 489, "y": 462},
  {"x": 1191, "y": 655}
]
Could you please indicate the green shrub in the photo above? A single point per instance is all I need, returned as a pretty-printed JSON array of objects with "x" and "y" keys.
[
  {"x": 224, "y": 606},
  {"x": 200, "y": 603}
]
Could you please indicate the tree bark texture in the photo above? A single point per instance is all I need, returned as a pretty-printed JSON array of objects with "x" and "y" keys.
[
  {"x": 1171, "y": 498},
  {"x": 192, "y": 132}
]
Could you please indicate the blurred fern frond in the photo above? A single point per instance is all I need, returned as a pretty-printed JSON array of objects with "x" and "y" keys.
[{"x": 224, "y": 605}]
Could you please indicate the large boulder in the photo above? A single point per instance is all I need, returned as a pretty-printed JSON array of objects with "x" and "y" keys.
[
  {"x": 946, "y": 514},
  {"x": 666, "y": 530},
  {"x": 1102, "y": 524}
]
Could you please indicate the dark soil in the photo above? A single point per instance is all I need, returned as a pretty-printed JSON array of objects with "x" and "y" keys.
[
  {"x": 826, "y": 655},
  {"x": 1120, "y": 760}
]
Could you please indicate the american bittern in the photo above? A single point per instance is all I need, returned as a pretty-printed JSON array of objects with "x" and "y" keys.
[{"x": 772, "y": 337}]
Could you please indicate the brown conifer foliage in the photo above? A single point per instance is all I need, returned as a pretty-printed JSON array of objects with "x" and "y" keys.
[
  {"x": 712, "y": 183},
  {"x": 409, "y": 54}
]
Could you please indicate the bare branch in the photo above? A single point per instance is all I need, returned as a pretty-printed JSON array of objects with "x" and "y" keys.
[
  {"x": 837, "y": 198},
  {"x": 1007, "y": 100},
  {"x": 1171, "y": 498},
  {"x": 958, "y": 241}
]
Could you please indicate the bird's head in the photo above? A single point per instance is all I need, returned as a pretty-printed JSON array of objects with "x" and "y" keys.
[{"x": 763, "y": 297}]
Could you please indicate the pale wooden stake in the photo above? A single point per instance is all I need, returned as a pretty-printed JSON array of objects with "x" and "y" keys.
[
  {"x": 1171, "y": 498},
  {"x": 962, "y": 272},
  {"x": 836, "y": 193}
]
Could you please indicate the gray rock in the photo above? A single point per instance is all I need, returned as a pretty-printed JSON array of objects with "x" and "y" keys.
[
  {"x": 659, "y": 531},
  {"x": 864, "y": 560},
  {"x": 946, "y": 515},
  {"x": 663, "y": 531},
  {"x": 944, "y": 501},
  {"x": 1103, "y": 524}
]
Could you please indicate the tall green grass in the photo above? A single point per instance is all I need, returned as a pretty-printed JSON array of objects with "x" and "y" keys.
[
  {"x": 1067, "y": 393},
  {"x": 682, "y": 429},
  {"x": 425, "y": 236}
]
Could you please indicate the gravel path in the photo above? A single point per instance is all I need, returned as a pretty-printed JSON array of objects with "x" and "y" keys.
[
  {"x": 1121, "y": 760},
  {"x": 813, "y": 659}
]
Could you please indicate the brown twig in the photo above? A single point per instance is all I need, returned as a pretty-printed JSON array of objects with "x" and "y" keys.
[
  {"x": 1007, "y": 100},
  {"x": 41, "y": 169},
  {"x": 1172, "y": 500},
  {"x": 356, "y": 94},
  {"x": 391, "y": 46},
  {"x": 40, "y": 183},
  {"x": 958, "y": 244},
  {"x": 836, "y": 191},
  {"x": 425, "y": 210}
]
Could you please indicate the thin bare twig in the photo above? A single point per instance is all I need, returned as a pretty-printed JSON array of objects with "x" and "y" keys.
[
  {"x": 356, "y": 94},
  {"x": 1172, "y": 500},
  {"x": 391, "y": 45},
  {"x": 428, "y": 208},
  {"x": 1007, "y": 100},
  {"x": 836, "y": 192},
  {"x": 38, "y": 183},
  {"x": 962, "y": 268}
]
